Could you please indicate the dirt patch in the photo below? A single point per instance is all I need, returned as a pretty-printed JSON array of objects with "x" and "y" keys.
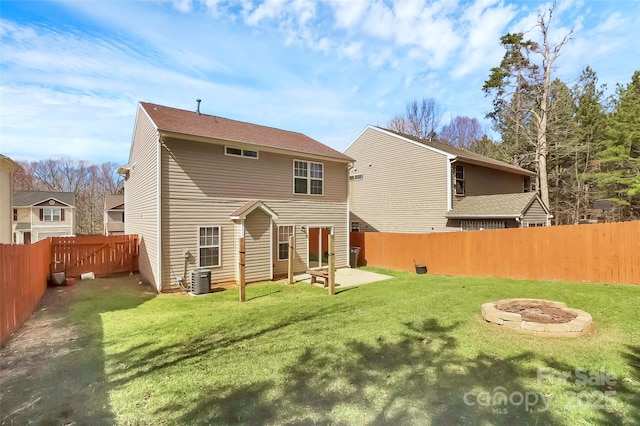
[
  {"x": 539, "y": 313},
  {"x": 41, "y": 338}
]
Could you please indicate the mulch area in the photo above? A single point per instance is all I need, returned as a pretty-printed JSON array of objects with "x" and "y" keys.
[{"x": 539, "y": 313}]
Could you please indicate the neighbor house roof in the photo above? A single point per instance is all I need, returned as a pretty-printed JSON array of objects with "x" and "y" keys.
[
  {"x": 466, "y": 155},
  {"x": 191, "y": 123},
  {"x": 493, "y": 206},
  {"x": 30, "y": 198},
  {"x": 112, "y": 201}
]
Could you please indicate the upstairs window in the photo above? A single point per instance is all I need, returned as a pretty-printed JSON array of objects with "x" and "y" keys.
[
  {"x": 308, "y": 177},
  {"x": 238, "y": 152},
  {"x": 355, "y": 226},
  {"x": 51, "y": 215},
  {"x": 459, "y": 179},
  {"x": 526, "y": 184},
  {"x": 209, "y": 246}
]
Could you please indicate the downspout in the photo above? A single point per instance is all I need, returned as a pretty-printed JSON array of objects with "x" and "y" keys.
[
  {"x": 449, "y": 185},
  {"x": 159, "y": 211}
]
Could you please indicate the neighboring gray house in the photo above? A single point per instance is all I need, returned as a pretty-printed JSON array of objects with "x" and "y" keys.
[
  {"x": 41, "y": 214},
  {"x": 195, "y": 184},
  {"x": 114, "y": 215},
  {"x": 7, "y": 167},
  {"x": 403, "y": 184}
]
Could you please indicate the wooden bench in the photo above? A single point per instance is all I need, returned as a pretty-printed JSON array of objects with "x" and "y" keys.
[{"x": 318, "y": 274}]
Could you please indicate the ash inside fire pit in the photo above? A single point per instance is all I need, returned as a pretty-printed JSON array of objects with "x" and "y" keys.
[
  {"x": 539, "y": 313},
  {"x": 537, "y": 316}
]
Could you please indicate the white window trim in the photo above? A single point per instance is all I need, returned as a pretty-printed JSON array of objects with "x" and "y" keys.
[
  {"x": 219, "y": 245},
  {"x": 241, "y": 150},
  {"x": 51, "y": 209},
  {"x": 293, "y": 233},
  {"x": 308, "y": 177}
]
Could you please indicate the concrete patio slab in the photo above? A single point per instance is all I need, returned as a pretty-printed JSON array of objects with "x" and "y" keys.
[{"x": 347, "y": 277}]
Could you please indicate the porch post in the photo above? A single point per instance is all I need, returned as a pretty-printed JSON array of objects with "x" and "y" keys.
[
  {"x": 290, "y": 260},
  {"x": 242, "y": 269},
  {"x": 332, "y": 265}
]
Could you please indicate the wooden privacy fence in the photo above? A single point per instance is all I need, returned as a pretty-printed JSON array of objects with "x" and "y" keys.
[
  {"x": 23, "y": 280},
  {"x": 99, "y": 254},
  {"x": 605, "y": 252}
]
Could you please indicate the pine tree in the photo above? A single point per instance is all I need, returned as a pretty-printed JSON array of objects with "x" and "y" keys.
[{"x": 619, "y": 175}]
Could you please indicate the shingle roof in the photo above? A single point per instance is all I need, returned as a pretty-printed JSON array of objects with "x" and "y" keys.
[
  {"x": 111, "y": 201},
  {"x": 498, "y": 205},
  {"x": 30, "y": 198},
  {"x": 250, "y": 206},
  {"x": 208, "y": 126},
  {"x": 465, "y": 155}
]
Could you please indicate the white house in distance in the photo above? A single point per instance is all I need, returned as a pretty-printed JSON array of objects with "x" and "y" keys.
[
  {"x": 7, "y": 167},
  {"x": 41, "y": 214},
  {"x": 114, "y": 215}
]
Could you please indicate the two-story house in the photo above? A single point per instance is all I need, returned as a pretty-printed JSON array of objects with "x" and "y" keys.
[
  {"x": 41, "y": 214},
  {"x": 403, "y": 184},
  {"x": 195, "y": 184},
  {"x": 7, "y": 167},
  {"x": 114, "y": 215}
]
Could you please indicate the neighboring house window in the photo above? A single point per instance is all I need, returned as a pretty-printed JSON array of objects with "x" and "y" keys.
[
  {"x": 209, "y": 246},
  {"x": 15, "y": 214},
  {"x": 526, "y": 184},
  {"x": 284, "y": 232},
  {"x": 459, "y": 179},
  {"x": 51, "y": 215},
  {"x": 535, "y": 224},
  {"x": 357, "y": 176},
  {"x": 308, "y": 177},
  {"x": 237, "y": 152},
  {"x": 476, "y": 225},
  {"x": 355, "y": 226}
]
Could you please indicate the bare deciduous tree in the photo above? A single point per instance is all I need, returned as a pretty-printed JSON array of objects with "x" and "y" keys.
[
  {"x": 421, "y": 119},
  {"x": 89, "y": 183},
  {"x": 462, "y": 132}
]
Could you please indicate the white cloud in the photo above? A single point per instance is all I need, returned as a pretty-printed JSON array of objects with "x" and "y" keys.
[
  {"x": 348, "y": 13},
  {"x": 184, "y": 6}
]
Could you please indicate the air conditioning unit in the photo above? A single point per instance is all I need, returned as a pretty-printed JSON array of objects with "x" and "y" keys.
[{"x": 201, "y": 281}]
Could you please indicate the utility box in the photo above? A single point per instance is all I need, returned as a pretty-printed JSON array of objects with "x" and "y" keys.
[{"x": 201, "y": 281}]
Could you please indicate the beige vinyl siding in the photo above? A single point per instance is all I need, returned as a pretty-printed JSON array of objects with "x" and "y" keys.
[
  {"x": 201, "y": 169},
  {"x": 257, "y": 234},
  {"x": 403, "y": 187},
  {"x": 6, "y": 207},
  {"x": 480, "y": 180},
  {"x": 141, "y": 194},
  {"x": 534, "y": 214},
  {"x": 202, "y": 187}
]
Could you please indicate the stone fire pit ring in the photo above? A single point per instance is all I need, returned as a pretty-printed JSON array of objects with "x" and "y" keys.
[{"x": 494, "y": 312}]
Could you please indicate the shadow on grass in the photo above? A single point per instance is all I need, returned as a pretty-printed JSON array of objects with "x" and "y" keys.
[
  {"x": 64, "y": 380},
  {"x": 417, "y": 378}
]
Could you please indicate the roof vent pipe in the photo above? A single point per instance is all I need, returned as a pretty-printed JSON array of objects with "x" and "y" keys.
[{"x": 198, "y": 108}]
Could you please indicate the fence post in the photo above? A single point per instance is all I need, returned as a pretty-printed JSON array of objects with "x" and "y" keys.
[
  {"x": 332, "y": 265},
  {"x": 242, "y": 269}
]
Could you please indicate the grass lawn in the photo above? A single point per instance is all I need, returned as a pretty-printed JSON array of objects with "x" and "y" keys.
[{"x": 411, "y": 350}]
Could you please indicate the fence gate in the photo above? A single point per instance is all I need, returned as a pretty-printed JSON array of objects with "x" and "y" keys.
[{"x": 102, "y": 255}]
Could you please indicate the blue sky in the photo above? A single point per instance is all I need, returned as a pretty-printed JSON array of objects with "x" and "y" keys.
[{"x": 73, "y": 72}]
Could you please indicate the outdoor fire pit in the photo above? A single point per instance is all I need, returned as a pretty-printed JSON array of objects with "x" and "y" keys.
[{"x": 537, "y": 316}]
